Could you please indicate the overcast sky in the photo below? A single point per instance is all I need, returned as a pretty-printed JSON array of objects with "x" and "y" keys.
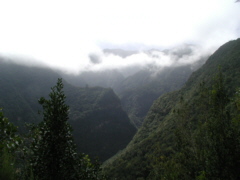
[{"x": 64, "y": 33}]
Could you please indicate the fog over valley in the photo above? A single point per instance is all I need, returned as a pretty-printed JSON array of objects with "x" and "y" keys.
[
  {"x": 76, "y": 37},
  {"x": 130, "y": 89}
]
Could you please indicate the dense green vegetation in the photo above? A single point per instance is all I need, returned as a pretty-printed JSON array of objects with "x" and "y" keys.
[
  {"x": 139, "y": 91},
  {"x": 49, "y": 151},
  {"x": 100, "y": 126},
  {"x": 192, "y": 133},
  {"x": 136, "y": 86},
  {"x": 95, "y": 113},
  {"x": 9, "y": 143}
]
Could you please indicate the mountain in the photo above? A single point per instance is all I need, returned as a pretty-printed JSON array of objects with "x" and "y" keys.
[
  {"x": 155, "y": 141},
  {"x": 101, "y": 127},
  {"x": 138, "y": 87},
  {"x": 139, "y": 91},
  {"x": 21, "y": 87}
]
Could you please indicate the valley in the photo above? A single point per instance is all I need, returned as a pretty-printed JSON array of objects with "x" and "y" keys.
[{"x": 131, "y": 121}]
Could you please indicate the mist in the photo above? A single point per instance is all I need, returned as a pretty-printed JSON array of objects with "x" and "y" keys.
[
  {"x": 73, "y": 36},
  {"x": 153, "y": 59}
]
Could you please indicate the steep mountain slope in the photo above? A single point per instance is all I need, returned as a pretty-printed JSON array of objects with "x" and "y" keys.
[
  {"x": 21, "y": 87},
  {"x": 155, "y": 139},
  {"x": 101, "y": 127},
  {"x": 139, "y": 85},
  {"x": 138, "y": 92}
]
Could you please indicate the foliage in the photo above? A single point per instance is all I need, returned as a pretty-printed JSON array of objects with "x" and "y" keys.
[
  {"x": 54, "y": 151},
  {"x": 172, "y": 145},
  {"x": 9, "y": 143},
  {"x": 211, "y": 151},
  {"x": 95, "y": 113},
  {"x": 220, "y": 139},
  {"x": 7, "y": 165},
  {"x": 8, "y": 137},
  {"x": 138, "y": 92},
  {"x": 48, "y": 151}
]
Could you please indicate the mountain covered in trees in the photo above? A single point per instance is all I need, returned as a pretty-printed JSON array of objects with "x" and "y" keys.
[
  {"x": 47, "y": 151},
  {"x": 101, "y": 127},
  {"x": 136, "y": 86},
  {"x": 138, "y": 92},
  {"x": 192, "y": 133}
]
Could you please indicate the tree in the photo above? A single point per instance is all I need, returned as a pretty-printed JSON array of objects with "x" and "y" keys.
[
  {"x": 9, "y": 142},
  {"x": 54, "y": 154},
  {"x": 8, "y": 137},
  {"x": 54, "y": 151},
  {"x": 211, "y": 148}
]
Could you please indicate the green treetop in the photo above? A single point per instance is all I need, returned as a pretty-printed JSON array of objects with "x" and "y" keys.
[{"x": 54, "y": 151}]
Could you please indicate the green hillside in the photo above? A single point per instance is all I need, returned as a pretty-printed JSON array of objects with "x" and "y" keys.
[
  {"x": 138, "y": 87},
  {"x": 21, "y": 87},
  {"x": 139, "y": 91},
  {"x": 101, "y": 127},
  {"x": 155, "y": 151}
]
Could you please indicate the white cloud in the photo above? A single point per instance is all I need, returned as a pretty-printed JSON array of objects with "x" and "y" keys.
[
  {"x": 63, "y": 33},
  {"x": 154, "y": 59}
]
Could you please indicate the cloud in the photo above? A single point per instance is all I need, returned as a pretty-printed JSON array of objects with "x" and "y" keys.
[
  {"x": 153, "y": 59},
  {"x": 70, "y": 35}
]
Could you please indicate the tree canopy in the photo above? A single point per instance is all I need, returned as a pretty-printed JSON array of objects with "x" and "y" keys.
[{"x": 48, "y": 151}]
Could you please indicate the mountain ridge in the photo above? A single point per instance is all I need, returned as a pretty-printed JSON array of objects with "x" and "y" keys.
[
  {"x": 156, "y": 136},
  {"x": 22, "y": 86}
]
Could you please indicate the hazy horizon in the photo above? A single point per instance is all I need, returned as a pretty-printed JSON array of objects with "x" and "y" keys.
[{"x": 71, "y": 35}]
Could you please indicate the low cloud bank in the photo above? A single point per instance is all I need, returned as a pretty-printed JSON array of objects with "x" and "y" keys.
[
  {"x": 117, "y": 59},
  {"x": 124, "y": 61},
  {"x": 71, "y": 35}
]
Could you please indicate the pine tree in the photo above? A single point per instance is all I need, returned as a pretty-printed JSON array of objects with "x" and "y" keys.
[{"x": 54, "y": 151}]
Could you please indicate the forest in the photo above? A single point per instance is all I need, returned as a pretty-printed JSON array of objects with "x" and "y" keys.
[{"x": 192, "y": 132}]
